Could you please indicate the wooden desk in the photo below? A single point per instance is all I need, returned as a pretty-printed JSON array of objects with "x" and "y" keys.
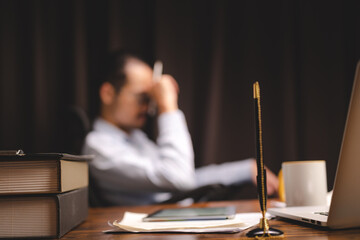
[{"x": 97, "y": 222}]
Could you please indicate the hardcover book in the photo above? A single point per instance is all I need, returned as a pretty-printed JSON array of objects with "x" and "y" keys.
[
  {"x": 42, "y": 215},
  {"x": 42, "y": 173}
]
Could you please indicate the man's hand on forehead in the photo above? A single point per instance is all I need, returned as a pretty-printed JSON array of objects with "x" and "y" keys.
[{"x": 165, "y": 93}]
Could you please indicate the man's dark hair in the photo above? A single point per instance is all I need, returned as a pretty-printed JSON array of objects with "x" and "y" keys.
[
  {"x": 115, "y": 68},
  {"x": 112, "y": 70}
]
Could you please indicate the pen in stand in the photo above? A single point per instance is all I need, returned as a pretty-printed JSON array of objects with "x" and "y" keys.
[
  {"x": 261, "y": 172},
  {"x": 264, "y": 231},
  {"x": 157, "y": 73}
]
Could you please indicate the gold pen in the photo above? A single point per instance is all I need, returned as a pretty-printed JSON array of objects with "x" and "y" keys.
[
  {"x": 264, "y": 230},
  {"x": 261, "y": 177}
]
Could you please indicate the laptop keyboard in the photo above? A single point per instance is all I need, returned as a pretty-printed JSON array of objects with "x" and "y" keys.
[{"x": 322, "y": 213}]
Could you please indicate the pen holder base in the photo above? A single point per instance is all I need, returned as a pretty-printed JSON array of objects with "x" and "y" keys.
[{"x": 270, "y": 233}]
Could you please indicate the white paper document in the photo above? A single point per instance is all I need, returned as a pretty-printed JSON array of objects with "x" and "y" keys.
[{"x": 132, "y": 222}]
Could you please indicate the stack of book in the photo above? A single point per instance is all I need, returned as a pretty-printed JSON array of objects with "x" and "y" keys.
[{"x": 42, "y": 195}]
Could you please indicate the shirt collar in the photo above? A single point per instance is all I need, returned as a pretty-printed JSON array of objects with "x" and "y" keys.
[{"x": 102, "y": 125}]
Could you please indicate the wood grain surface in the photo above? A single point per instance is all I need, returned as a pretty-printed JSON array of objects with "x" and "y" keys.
[{"x": 98, "y": 217}]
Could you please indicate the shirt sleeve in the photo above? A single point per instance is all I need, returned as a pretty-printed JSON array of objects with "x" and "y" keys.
[
  {"x": 229, "y": 173},
  {"x": 144, "y": 166}
]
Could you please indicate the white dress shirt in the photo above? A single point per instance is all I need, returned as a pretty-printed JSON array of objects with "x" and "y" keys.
[{"x": 130, "y": 169}]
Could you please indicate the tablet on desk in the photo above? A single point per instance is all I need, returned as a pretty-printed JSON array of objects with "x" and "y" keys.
[{"x": 192, "y": 214}]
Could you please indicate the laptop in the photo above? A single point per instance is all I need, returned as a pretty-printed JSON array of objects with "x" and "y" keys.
[{"x": 344, "y": 210}]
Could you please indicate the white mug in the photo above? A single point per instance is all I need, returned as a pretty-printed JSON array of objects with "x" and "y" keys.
[{"x": 305, "y": 183}]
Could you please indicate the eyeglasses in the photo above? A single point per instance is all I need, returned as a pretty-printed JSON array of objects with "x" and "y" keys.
[{"x": 141, "y": 98}]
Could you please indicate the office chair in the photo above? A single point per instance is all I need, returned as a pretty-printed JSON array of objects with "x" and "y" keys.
[{"x": 77, "y": 126}]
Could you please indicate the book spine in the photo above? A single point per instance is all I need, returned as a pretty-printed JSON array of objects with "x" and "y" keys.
[
  {"x": 58, "y": 177},
  {"x": 72, "y": 209}
]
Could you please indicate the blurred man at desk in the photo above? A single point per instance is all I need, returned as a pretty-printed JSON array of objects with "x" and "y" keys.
[{"x": 129, "y": 168}]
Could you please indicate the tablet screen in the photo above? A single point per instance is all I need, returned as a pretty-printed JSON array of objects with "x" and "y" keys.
[{"x": 186, "y": 214}]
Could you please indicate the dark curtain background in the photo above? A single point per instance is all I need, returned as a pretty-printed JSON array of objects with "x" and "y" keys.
[{"x": 303, "y": 53}]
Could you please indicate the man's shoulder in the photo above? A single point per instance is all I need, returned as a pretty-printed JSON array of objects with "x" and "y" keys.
[
  {"x": 97, "y": 138},
  {"x": 138, "y": 133}
]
